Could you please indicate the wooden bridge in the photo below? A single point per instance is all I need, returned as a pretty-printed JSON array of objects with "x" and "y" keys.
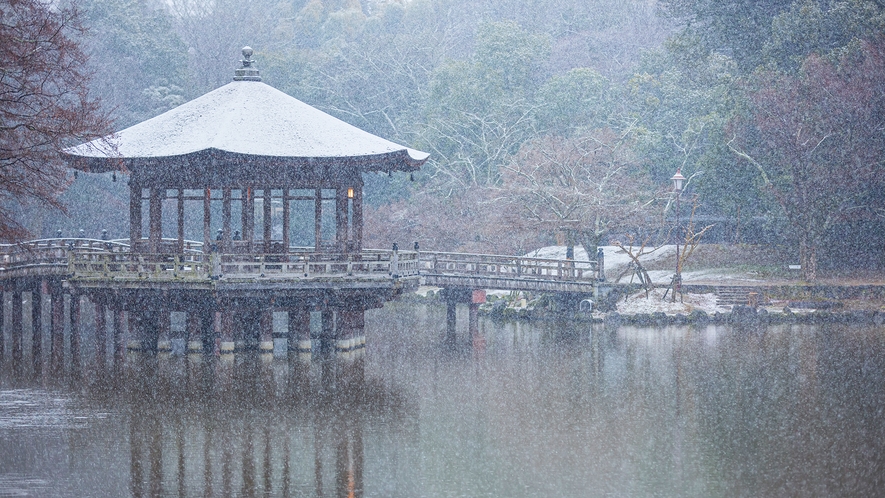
[
  {"x": 90, "y": 262},
  {"x": 149, "y": 286}
]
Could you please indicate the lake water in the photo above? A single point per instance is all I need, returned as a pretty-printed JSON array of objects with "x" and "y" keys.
[{"x": 524, "y": 409}]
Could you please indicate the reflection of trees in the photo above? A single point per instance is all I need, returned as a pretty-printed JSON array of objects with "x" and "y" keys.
[{"x": 246, "y": 428}]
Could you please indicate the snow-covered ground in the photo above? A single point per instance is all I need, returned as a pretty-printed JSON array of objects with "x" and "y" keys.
[{"x": 616, "y": 260}]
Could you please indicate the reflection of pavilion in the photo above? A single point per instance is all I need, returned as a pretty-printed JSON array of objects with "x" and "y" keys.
[
  {"x": 280, "y": 180},
  {"x": 252, "y": 430}
]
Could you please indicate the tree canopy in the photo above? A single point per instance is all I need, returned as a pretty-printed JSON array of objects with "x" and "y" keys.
[{"x": 44, "y": 104}]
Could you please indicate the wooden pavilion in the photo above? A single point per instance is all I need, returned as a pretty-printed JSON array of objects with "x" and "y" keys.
[{"x": 258, "y": 153}]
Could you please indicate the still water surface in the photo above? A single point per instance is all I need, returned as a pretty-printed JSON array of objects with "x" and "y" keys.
[{"x": 538, "y": 409}]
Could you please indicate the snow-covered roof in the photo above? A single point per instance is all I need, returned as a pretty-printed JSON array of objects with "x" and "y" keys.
[{"x": 243, "y": 117}]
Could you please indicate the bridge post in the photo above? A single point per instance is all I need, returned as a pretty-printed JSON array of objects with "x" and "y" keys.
[
  {"x": 101, "y": 333},
  {"x": 299, "y": 330},
  {"x": 451, "y": 319},
  {"x": 117, "y": 332},
  {"x": 473, "y": 320},
  {"x": 36, "y": 320},
  {"x": 57, "y": 327},
  {"x": 75, "y": 329},
  {"x": 17, "y": 331}
]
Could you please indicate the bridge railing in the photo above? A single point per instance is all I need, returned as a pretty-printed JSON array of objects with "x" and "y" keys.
[
  {"x": 490, "y": 265},
  {"x": 103, "y": 265}
]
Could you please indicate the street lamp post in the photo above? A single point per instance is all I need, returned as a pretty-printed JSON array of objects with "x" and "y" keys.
[{"x": 677, "y": 180}]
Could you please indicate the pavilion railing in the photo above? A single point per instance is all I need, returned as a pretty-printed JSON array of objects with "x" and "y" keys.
[
  {"x": 103, "y": 265},
  {"x": 489, "y": 265}
]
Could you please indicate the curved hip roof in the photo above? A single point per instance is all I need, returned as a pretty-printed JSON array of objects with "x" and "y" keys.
[{"x": 247, "y": 118}]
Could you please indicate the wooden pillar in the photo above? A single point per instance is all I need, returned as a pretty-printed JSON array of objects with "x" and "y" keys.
[
  {"x": 299, "y": 330},
  {"x": 193, "y": 326},
  {"x": 341, "y": 219},
  {"x": 451, "y": 319},
  {"x": 350, "y": 330},
  {"x": 36, "y": 321},
  {"x": 473, "y": 319},
  {"x": 207, "y": 219},
  {"x": 248, "y": 214},
  {"x": 117, "y": 332},
  {"x": 155, "y": 217},
  {"x": 227, "y": 344},
  {"x": 180, "y": 213},
  {"x": 225, "y": 219},
  {"x": 328, "y": 327},
  {"x": 164, "y": 328},
  {"x": 318, "y": 220},
  {"x": 134, "y": 216},
  {"x": 57, "y": 327},
  {"x": 101, "y": 333},
  {"x": 286, "y": 221},
  {"x": 357, "y": 229},
  {"x": 75, "y": 328},
  {"x": 267, "y": 219},
  {"x": 17, "y": 332},
  {"x": 265, "y": 341}
]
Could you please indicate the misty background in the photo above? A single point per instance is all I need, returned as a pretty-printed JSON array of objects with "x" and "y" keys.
[{"x": 548, "y": 121}]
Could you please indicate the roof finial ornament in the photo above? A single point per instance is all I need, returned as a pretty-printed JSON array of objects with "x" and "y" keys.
[{"x": 247, "y": 72}]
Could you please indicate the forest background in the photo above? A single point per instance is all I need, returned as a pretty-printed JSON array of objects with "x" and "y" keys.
[{"x": 548, "y": 121}]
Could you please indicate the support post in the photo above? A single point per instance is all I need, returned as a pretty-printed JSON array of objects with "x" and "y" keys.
[
  {"x": 119, "y": 345},
  {"x": 36, "y": 321},
  {"x": 17, "y": 332},
  {"x": 57, "y": 328},
  {"x": 248, "y": 217},
  {"x": 164, "y": 328},
  {"x": 134, "y": 216},
  {"x": 193, "y": 326},
  {"x": 318, "y": 220},
  {"x": 265, "y": 341},
  {"x": 341, "y": 219},
  {"x": 358, "y": 219},
  {"x": 299, "y": 330},
  {"x": 267, "y": 219},
  {"x": 180, "y": 213},
  {"x": 286, "y": 221},
  {"x": 155, "y": 224},
  {"x": 451, "y": 319},
  {"x": 75, "y": 329},
  {"x": 225, "y": 219},
  {"x": 207, "y": 220},
  {"x": 227, "y": 344},
  {"x": 101, "y": 333}
]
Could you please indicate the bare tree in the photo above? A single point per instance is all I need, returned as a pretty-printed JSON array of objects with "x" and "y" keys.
[
  {"x": 587, "y": 185},
  {"x": 44, "y": 104}
]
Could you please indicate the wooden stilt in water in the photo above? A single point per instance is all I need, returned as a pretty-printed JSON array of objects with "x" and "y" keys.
[
  {"x": 101, "y": 333},
  {"x": 36, "y": 322},
  {"x": 117, "y": 331},
  {"x": 265, "y": 341},
  {"x": 194, "y": 339},
  {"x": 75, "y": 330},
  {"x": 164, "y": 326},
  {"x": 57, "y": 328},
  {"x": 17, "y": 332}
]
